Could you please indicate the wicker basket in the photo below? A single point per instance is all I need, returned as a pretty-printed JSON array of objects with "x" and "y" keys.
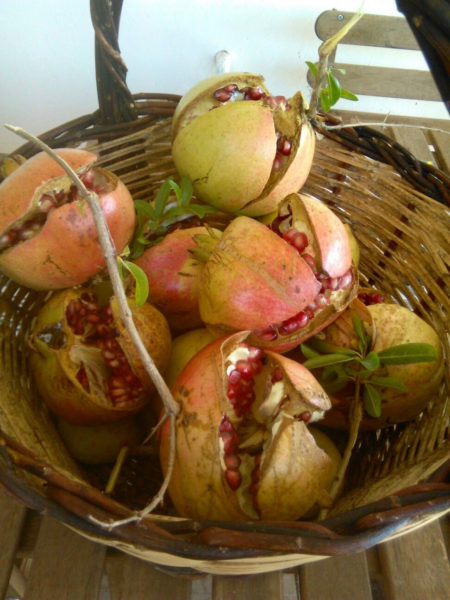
[{"x": 397, "y": 209}]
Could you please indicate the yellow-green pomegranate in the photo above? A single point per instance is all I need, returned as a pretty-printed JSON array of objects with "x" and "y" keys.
[{"x": 243, "y": 148}]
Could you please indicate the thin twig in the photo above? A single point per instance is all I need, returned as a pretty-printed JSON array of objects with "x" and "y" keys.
[
  {"x": 325, "y": 49},
  {"x": 109, "y": 253},
  {"x": 355, "y": 416},
  {"x": 382, "y": 124}
]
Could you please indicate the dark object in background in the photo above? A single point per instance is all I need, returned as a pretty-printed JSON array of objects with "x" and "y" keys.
[{"x": 430, "y": 23}]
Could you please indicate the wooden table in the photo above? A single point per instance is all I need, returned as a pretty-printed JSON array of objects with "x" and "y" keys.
[{"x": 41, "y": 559}]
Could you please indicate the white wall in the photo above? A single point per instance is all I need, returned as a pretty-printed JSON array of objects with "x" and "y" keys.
[{"x": 47, "y": 73}]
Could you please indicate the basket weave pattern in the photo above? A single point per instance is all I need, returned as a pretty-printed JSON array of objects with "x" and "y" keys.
[{"x": 405, "y": 250}]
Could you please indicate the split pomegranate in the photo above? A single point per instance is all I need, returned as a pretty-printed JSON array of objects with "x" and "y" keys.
[
  {"x": 48, "y": 239},
  {"x": 285, "y": 283},
  {"x": 243, "y": 449},
  {"x": 388, "y": 325},
  {"x": 84, "y": 363},
  {"x": 243, "y": 148},
  {"x": 173, "y": 276}
]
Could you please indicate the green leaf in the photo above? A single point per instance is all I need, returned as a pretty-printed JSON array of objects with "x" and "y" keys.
[
  {"x": 334, "y": 88},
  {"x": 312, "y": 67},
  {"x": 200, "y": 210},
  {"x": 325, "y": 100},
  {"x": 406, "y": 354},
  {"x": 348, "y": 95},
  {"x": 371, "y": 362},
  {"x": 140, "y": 277},
  {"x": 187, "y": 190},
  {"x": 359, "y": 328},
  {"x": 372, "y": 400},
  {"x": 326, "y": 359},
  {"x": 338, "y": 70},
  {"x": 308, "y": 352},
  {"x": 175, "y": 188},
  {"x": 327, "y": 348},
  {"x": 144, "y": 209},
  {"x": 337, "y": 385},
  {"x": 162, "y": 197},
  {"x": 389, "y": 382}
]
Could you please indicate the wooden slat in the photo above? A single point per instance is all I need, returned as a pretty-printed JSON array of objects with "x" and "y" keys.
[
  {"x": 264, "y": 587},
  {"x": 132, "y": 579},
  {"x": 337, "y": 578},
  {"x": 65, "y": 565},
  {"x": 441, "y": 143},
  {"x": 371, "y": 30},
  {"x": 387, "y": 82},
  {"x": 415, "y": 566},
  {"x": 12, "y": 518}
]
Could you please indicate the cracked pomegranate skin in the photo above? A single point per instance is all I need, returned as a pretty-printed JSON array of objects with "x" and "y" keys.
[
  {"x": 217, "y": 475},
  {"x": 63, "y": 250},
  {"x": 84, "y": 364},
  {"x": 284, "y": 286},
  {"x": 243, "y": 148}
]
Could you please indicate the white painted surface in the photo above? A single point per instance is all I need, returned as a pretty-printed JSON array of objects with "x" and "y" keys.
[{"x": 47, "y": 73}]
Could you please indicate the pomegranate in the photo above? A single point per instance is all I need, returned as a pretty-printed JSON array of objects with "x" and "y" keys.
[
  {"x": 285, "y": 283},
  {"x": 100, "y": 444},
  {"x": 48, "y": 239},
  {"x": 388, "y": 325},
  {"x": 173, "y": 276},
  {"x": 84, "y": 363},
  {"x": 243, "y": 449},
  {"x": 184, "y": 347},
  {"x": 243, "y": 149}
]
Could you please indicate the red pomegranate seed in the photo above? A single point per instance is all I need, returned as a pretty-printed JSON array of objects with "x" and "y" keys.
[
  {"x": 232, "y": 462},
  {"x": 284, "y": 146},
  {"x": 230, "y": 441},
  {"x": 277, "y": 161},
  {"x": 222, "y": 95},
  {"x": 277, "y": 374},
  {"x": 234, "y": 377},
  {"x": 309, "y": 260},
  {"x": 245, "y": 369},
  {"x": 254, "y": 93},
  {"x": 305, "y": 416},
  {"x": 226, "y": 425},
  {"x": 346, "y": 280},
  {"x": 234, "y": 479},
  {"x": 268, "y": 334}
]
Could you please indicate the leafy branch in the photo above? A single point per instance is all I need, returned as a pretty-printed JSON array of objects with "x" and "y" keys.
[
  {"x": 363, "y": 368},
  {"x": 333, "y": 91},
  {"x": 322, "y": 72},
  {"x": 172, "y": 203}
]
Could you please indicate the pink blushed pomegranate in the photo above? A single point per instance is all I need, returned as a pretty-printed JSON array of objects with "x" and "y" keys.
[
  {"x": 243, "y": 449},
  {"x": 284, "y": 283},
  {"x": 48, "y": 239},
  {"x": 84, "y": 363},
  {"x": 173, "y": 275},
  {"x": 243, "y": 148}
]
